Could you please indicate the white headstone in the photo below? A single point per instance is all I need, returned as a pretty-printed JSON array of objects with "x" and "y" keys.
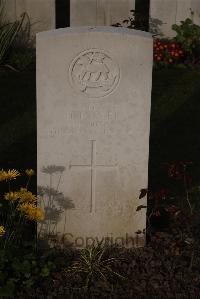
[
  {"x": 99, "y": 12},
  {"x": 195, "y": 7},
  {"x": 171, "y": 12},
  {"x": 164, "y": 11},
  {"x": 9, "y": 10},
  {"x": 93, "y": 118},
  {"x": 40, "y": 12}
]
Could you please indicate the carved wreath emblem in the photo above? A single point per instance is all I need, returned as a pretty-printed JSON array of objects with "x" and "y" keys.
[{"x": 94, "y": 73}]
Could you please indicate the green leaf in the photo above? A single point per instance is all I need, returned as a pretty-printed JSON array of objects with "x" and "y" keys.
[
  {"x": 45, "y": 271},
  {"x": 8, "y": 289}
]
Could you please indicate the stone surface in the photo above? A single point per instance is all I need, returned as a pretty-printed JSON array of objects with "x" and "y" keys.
[
  {"x": 172, "y": 12},
  {"x": 195, "y": 6},
  {"x": 93, "y": 118},
  {"x": 9, "y": 10},
  {"x": 99, "y": 12},
  {"x": 41, "y": 13}
]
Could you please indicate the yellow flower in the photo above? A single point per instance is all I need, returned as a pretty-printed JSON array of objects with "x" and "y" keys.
[
  {"x": 29, "y": 172},
  {"x": 26, "y": 196},
  {"x": 9, "y": 175},
  {"x": 11, "y": 196},
  {"x": 38, "y": 214},
  {"x": 2, "y": 175},
  {"x": 2, "y": 230},
  {"x": 26, "y": 208},
  {"x": 31, "y": 211}
]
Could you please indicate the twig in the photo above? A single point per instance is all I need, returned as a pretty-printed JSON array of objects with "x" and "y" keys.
[{"x": 11, "y": 67}]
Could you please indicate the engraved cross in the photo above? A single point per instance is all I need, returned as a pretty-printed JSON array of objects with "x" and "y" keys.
[{"x": 92, "y": 166}]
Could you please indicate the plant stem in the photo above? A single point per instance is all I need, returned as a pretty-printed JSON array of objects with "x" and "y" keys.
[
  {"x": 28, "y": 181},
  {"x": 191, "y": 260},
  {"x": 186, "y": 191}
]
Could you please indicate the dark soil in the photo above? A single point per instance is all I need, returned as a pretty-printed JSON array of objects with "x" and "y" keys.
[{"x": 148, "y": 273}]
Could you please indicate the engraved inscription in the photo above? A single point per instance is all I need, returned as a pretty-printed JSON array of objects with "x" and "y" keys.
[
  {"x": 90, "y": 121},
  {"x": 94, "y": 73}
]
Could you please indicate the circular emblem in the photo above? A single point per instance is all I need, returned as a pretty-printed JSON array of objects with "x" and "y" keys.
[{"x": 94, "y": 73}]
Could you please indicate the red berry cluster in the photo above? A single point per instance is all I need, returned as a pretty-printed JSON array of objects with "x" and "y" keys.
[{"x": 167, "y": 52}]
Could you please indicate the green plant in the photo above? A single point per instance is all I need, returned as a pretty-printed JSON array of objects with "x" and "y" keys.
[
  {"x": 22, "y": 271},
  {"x": 22, "y": 52},
  {"x": 135, "y": 21},
  {"x": 22, "y": 59},
  {"x": 24, "y": 39},
  {"x": 175, "y": 212},
  {"x": 93, "y": 265},
  {"x": 8, "y": 33},
  {"x": 188, "y": 35}
]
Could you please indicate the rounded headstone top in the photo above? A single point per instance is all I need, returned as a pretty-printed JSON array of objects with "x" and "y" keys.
[{"x": 95, "y": 29}]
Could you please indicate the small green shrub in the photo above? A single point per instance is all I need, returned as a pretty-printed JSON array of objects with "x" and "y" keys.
[
  {"x": 21, "y": 272},
  {"x": 175, "y": 212},
  {"x": 188, "y": 35},
  {"x": 16, "y": 42},
  {"x": 8, "y": 33},
  {"x": 93, "y": 265},
  {"x": 22, "y": 53},
  {"x": 22, "y": 59},
  {"x": 24, "y": 39}
]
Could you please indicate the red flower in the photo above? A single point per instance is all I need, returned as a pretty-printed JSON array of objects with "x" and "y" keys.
[
  {"x": 167, "y": 50},
  {"x": 178, "y": 171},
  {"x": 156, "y": 213},
  {"x": 161, "y": 194},
  {"x": 174, "y": 171}
]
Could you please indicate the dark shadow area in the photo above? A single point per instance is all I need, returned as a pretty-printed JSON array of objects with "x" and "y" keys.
[
  {"x": 55, "y": 205},
  {"x": 62, "y": 13},
  {"x": 174, "y": 123},
  {"x": 142, "y": 14}
]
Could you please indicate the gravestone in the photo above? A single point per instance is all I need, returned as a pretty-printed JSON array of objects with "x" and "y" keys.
[
  {"x": 93, "y": 119},
  {"x": 40, "y": 12},
  {"x": 171, "y": 12},
  {"x": 99, "y": 12}
]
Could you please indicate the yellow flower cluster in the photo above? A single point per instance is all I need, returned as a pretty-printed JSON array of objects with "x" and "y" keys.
[
  {"x": 29, "y": 172},
  {"x": 31, "y": 211},
  {"x": 9, "y": 175},
  {"x": 11, "y": 196},
  {"x": 26, "y": 196},
  {"x": 23, "y": 196},
  {"x": 2, "y": 230}
]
